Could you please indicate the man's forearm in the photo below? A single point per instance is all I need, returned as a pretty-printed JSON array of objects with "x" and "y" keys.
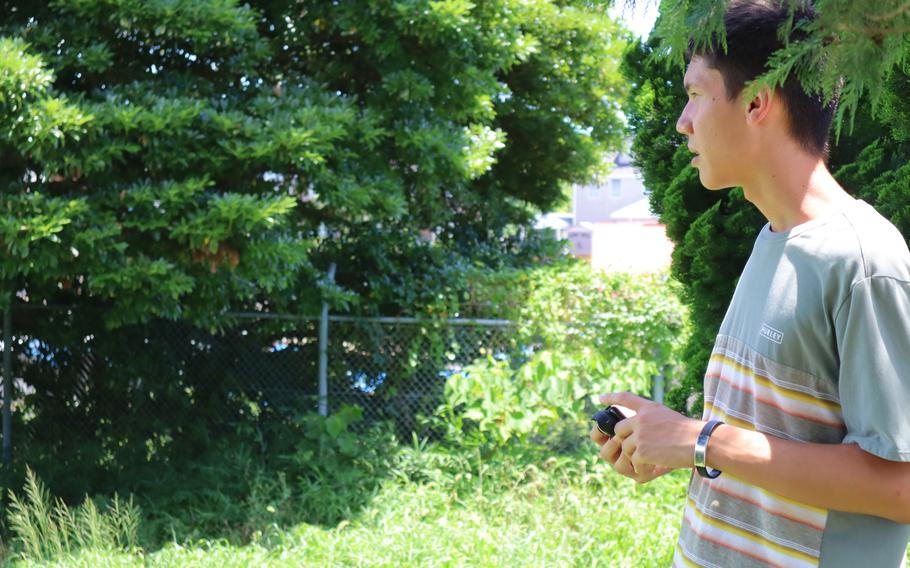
[{"x": 830, "y": 476}]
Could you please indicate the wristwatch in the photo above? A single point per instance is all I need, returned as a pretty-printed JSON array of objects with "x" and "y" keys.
[{"x": 701, "y": 446}]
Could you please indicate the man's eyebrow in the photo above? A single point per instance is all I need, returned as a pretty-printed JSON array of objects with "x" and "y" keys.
[{"x": 688, "y": 85}]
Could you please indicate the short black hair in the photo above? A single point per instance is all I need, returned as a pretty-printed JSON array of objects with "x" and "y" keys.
[{"x": 752, "y": 29}]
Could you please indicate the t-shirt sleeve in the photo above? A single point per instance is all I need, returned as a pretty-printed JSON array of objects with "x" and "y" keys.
[{"x": 873, "y": 336}]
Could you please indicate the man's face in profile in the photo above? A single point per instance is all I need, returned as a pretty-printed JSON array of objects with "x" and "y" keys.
[{"x": 714, "y": 125}]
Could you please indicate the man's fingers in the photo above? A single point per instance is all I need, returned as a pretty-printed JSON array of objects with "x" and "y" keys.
[
  {"x": 624, "y": 466},
  {"x": 610, "y": 451},
  {"x": 597, "y": 436},
  {"x": 626, "y": 399},
  {"x": 621, "y": 451},
  {"x": 629, "y": 445},
  {"x": 608, "y": 454},
  {"x": 624, "y": 428},
  {"x": 646, "y": 472},
  {"x": 638, "y": 464}
]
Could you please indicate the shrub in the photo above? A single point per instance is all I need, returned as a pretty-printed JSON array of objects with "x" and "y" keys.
[
  {"x": 580, "y": 332},
  {"x": 568, "y": 306},
  {"x": 272, "y": 472}
]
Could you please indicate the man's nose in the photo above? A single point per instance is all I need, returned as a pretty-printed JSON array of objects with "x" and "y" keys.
[{"x": 683, "y": 124}]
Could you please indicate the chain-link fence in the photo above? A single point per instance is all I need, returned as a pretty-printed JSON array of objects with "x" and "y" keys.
[
  {"x": 396, "y": 368},
  {"x": 75, "y": 380}
]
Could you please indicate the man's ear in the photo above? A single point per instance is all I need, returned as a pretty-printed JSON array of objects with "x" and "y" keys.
[{"x": 758, "y": 109}]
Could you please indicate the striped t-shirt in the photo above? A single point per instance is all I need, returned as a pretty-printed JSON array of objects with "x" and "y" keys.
[{"x": 815, "y": 347}]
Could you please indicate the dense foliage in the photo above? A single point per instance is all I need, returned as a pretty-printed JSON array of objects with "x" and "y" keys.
[
  {"x": 880, "y": 174},
  {"x": 168, "y": 162},
  {"x": 849, "y": 50},
  {"x": 263, "y": 471},
  {"x": 433, "y": 506},
  {"x": 179, "y": 160},
  {"x": 581, "y": 332}
]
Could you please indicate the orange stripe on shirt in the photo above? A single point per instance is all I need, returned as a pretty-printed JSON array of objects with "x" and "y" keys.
[
  {"x": 761, "y": 540},
  {"x": 771, "y": 403},
  {"x": 716, "y": 487},
  {"x": 686, "y": 560},
  {"x": 728, "y": 546},
  {"x": 761, "y": 378}
]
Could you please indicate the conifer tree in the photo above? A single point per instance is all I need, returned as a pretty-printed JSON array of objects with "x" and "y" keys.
[{"x": 176, "y": 159}]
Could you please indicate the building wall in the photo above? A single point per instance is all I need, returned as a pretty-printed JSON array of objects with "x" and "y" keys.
[
  {"x": 623, "y": 246},
  {"x": 581, "y": 241},
  {"x": 618, "y": 245},
  {"x": 631, "y": 247},
  {"x": 594, "y": 203}
]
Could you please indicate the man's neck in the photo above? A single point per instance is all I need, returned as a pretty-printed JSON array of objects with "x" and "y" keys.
[{"x": 791, "y": 189}]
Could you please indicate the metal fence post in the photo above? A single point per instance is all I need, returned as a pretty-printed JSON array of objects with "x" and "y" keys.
[
  {"x": 324, "y": 352},
  {"x": 658, "y": 382},
  {"x": 7, "y": 385},
  {"x": 657, "y": 386}
]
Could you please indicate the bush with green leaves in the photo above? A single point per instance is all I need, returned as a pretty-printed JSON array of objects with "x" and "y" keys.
[
  {"x": 565, "y": 304},
  {"x": 172, "y": 162},
  {"x": 580, "y": 332},
  {"x": 181, "y": 160},
  {"x": 272, "y": 472},
  {"x": 272, "y": 469}
]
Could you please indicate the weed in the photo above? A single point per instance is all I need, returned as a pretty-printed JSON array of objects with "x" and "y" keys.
[{"x": 44, "y": 530}]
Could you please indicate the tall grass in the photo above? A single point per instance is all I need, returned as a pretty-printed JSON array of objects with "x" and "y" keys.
[
  {"x": 437, "y": 508},
  {"x": 44, "y": 529},
  {"x": 565, "y": 511}
]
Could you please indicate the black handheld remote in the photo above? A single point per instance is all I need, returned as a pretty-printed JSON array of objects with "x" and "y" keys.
[{"x": 607, "y": 419}]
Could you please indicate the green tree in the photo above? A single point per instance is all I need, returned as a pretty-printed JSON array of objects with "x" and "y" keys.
[
  {"x": 850, "y": 49},
  {"x": 177, "y": 159},
  {"x": 880, "y": 173},
  {"x": 169, "y": 161}
]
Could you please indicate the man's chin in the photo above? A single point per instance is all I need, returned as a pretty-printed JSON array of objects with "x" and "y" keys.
[
  {"x": 712, "y": 184},
  {"x": 708, "y": 183}
]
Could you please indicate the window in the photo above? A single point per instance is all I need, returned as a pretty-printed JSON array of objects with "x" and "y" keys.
[{"x": 616, "y": 187}]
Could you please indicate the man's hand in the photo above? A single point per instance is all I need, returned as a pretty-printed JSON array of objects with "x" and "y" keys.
[
  {"x": 652, "y": 441},
  {"x": 611, "y": 452}
]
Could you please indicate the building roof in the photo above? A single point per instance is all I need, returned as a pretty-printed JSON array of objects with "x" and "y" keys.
[
  {"x": 622, "y": 159},
  {"x": 557, "y": 221}
]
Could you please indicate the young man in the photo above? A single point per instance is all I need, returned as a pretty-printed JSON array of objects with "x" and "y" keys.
[{"x": 807, "y": 393}]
